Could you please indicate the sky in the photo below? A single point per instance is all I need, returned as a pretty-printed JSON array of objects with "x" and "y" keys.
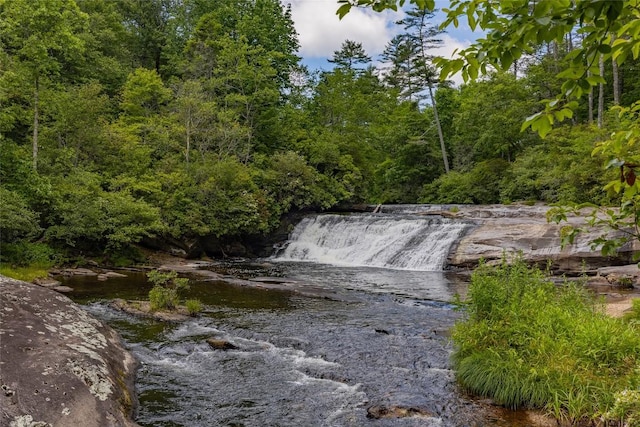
[{"x": 321, "y": 33}]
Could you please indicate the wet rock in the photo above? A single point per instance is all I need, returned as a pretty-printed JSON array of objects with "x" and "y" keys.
[
  {"x": 143, "y": 309},
  {"x": 220, "y": 344},
  {"x": 73, "y": 272},
  {"x": 102, "y": 277},
  {"x": 111, "y": 274},
  {"x": 62, "y": 289},
  {"x": 47, "y": 282},
  {"x": 60, "y": 366},
  {"x": 378, "y": 412}
]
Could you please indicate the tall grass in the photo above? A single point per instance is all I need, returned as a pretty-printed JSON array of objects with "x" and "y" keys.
[
  {"x": 27, "y": 274},
  {"x": 526, "y": 342}
]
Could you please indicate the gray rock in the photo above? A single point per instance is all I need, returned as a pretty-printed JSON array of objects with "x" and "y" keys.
[
  {"x": 47, "y": 282},
  {"x": 60, "y": 366},
  {"x": 114, "y": 274},
  {"x": 508, "y": 230}
]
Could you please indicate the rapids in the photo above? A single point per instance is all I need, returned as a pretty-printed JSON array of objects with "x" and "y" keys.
[{"x": 374, "y": 338}]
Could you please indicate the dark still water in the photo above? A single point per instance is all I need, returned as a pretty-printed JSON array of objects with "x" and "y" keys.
[{"x": 380, "y": 341}]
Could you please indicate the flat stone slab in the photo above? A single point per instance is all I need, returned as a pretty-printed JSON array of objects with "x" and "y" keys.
[
  {"x": 500, "y": 231},
  {"x": 59, "y": 366}
]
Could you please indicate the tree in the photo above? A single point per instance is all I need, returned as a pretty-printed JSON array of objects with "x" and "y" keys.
[
  {"x": 514, "y": 28},
  {"x": 193, "y": 112},
  {"x": 262, "y": 23},
  {"x": 419, "y": 39},
  {"x": 488, "y": 119},
  {"x": 147, "y": 22},
  {"x": 144, "y": 94},
  {"x": 350, "y": 55},
  {"x": 41, "y": 37},
  {"x": 399, "y": 54}
]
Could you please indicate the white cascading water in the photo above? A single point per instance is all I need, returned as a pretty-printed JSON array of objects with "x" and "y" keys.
[{"x": 386, "y": 241}]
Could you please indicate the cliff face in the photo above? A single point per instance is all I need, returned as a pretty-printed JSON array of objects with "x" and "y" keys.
[{"x": 58, "y": 365}]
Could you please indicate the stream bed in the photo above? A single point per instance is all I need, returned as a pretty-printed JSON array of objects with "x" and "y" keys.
[
  {"x": 356, "y": 333},
  {"x": 374, "y": 353}
]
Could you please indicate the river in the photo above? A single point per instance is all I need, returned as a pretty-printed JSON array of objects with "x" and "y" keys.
[{"x": 359, "y": 339}]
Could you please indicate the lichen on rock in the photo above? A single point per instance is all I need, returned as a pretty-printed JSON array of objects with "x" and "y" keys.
[{"x": 60, "y": 366}]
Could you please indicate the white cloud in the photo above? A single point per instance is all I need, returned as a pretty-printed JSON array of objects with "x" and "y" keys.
[{"x": 321, "y": 32}]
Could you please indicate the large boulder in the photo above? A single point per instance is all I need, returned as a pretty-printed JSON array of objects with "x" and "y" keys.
[
  {"x": 58, "y": 365},
  {"x": 500, "y": 230}
]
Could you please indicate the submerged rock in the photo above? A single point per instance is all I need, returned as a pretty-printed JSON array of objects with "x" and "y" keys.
[
  {"x": 60, "y": 366},
  {"x": 219, "y": 344},
  {"x": 378, "y": 412}
]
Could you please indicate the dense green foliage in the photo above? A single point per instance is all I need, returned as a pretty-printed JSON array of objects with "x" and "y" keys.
[
  {"x": 526, "y": 342},
  {"x": 591, "y": 45},
  {"x": 123, "y": 121}
]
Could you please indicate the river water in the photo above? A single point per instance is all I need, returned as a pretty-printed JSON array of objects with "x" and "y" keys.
[{"x": 360, "y": 332}]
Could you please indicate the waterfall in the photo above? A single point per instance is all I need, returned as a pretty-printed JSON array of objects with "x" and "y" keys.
[{"x": 402, "y": 242}]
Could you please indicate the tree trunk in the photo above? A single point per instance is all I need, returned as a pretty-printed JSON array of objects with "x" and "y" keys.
[
  {"x": 36, "y": 100},
  {"x": 601, "y": 95},
  {"x": 590, "y": 117},
  {"x": 188, "y": 141},
  {"x": 556, "y": 56},
  {"x": 433, "y": 99},
  {"x": 439, "y": 127},
  {"x": 616, "y": 76}
]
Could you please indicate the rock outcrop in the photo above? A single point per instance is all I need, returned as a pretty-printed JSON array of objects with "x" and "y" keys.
[
  {"x": 500, "y": 230},
  {"x": 58, "y": 365}
]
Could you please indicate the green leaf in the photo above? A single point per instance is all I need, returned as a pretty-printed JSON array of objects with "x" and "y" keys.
[
  {"x": 596, "y": 80},
  {"x": 545, "y": 20},
  {"x": 343, "y": 10}
]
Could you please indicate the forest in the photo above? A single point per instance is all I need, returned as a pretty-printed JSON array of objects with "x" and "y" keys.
[{"x": 124, "y": 120}]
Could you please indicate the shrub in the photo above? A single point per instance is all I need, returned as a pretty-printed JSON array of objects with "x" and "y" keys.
[
  {"x": 166, "y": 289},
  {"x": 17, "y": 220},
  {"x": 23, "y": 254},
  {"x": 626, "y": 408},
  {"x": 479, "y": 186},
  {"x": 163, "y": 298},
  {"x": 559, "y": 169},
  {"x": 526, "y": 342},
  {"x": 194, "y": 306}
]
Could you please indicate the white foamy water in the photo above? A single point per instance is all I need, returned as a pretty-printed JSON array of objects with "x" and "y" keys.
[{"x": 386, "y": 241}]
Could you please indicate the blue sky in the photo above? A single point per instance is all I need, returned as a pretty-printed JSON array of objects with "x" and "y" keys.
[{"x": 320, "y": 32}]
